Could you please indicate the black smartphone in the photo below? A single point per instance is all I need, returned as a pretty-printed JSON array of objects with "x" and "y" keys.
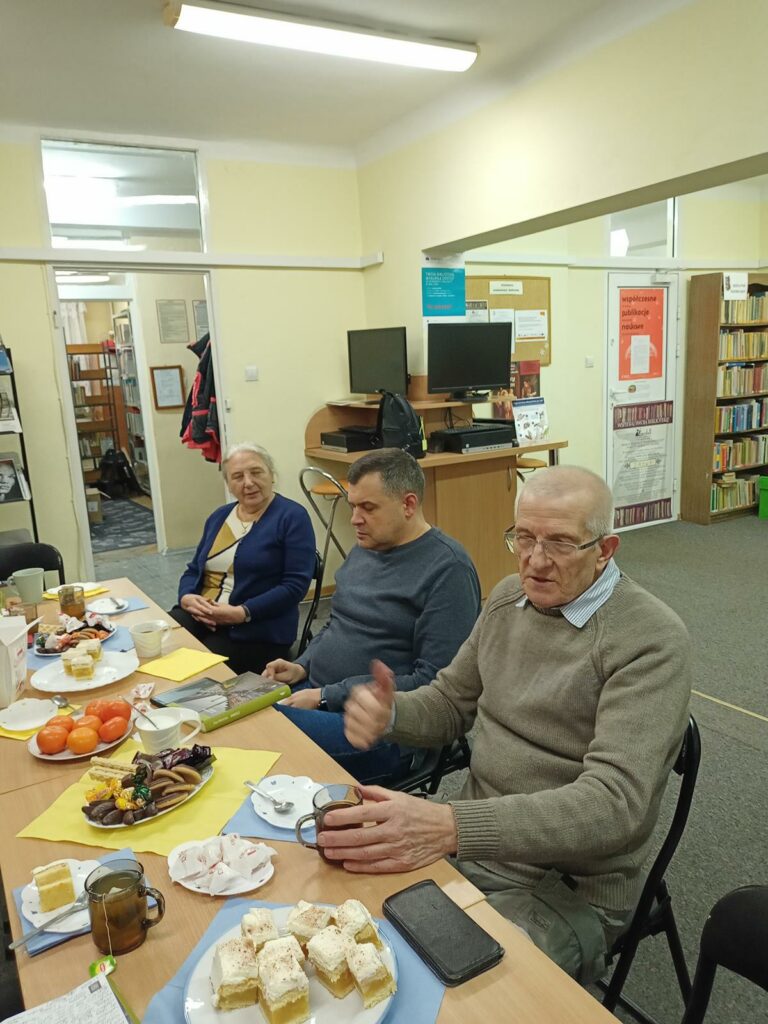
[{"x": 454, "y": 946}]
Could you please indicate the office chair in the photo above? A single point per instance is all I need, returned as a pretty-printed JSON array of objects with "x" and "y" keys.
[
  {"x": 317, "y": 576},
  {"x": 654, "y": 914},
  {"x": 428, "y": 767},
  {"x": 735, "y": 936},
  {"x": 30, "y": 556},
  {"x": 330, "y": 489},
  {"x": 527, "y": 462}
]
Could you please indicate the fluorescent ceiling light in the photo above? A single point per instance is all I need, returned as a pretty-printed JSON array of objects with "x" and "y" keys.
[
  {"x": 619, "y": 242},
  {"x": 119, "y": 244},
  {"x": 253, "y": 26},
  {"x": 83, "y": 279}
]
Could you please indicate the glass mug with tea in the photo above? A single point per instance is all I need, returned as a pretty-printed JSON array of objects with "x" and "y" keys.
[
  {"x": 72, "y": 601},
  {"x": 330, "y": 798},
  {"x": 117, "y": 906}
]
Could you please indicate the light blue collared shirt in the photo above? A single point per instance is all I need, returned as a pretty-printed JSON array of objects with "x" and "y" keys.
[{"x": 582, "y": 608}]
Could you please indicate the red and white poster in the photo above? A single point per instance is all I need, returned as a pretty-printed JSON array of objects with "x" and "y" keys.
[{"x": 641, "y": 333}]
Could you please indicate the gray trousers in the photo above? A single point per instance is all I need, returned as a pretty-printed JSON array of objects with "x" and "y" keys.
[{"x": 572, "y": 932}]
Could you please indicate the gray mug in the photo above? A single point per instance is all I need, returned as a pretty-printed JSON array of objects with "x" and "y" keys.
[{"x": 30, "y": 584}]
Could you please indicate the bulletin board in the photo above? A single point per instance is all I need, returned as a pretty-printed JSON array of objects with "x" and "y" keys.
[{"x": 525, "y": 295}]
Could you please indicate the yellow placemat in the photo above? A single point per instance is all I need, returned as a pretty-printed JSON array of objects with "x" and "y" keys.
[
  {"x": 27, "y": 734},
  {"x": 202, "y": 816},
  {"x": 50, "y": 595},
  {"x": 181, "y": 664}
]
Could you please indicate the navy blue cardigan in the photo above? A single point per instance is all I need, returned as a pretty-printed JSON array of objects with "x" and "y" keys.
[{"x": 274, "y": 563}]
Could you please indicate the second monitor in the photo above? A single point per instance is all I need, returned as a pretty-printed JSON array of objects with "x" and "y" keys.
[
  {"x": 378, "y": 360},
  {"x": 463, "y": 357}
]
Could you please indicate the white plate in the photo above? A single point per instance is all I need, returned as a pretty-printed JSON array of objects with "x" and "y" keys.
[
  {"x": 325, "y": 1008},
  {"x": 57, "y": 654},
  {"x": 27, "y": 713},
  {"x": 30, "y": 901},
  {"x": 104, "y": 606},
  {"x": 298, "y": 788},
  {"x": 206, "y": 774},
  {"x": 114, "y": 665},
  {"x": 67, "y": 755},
  {"x": 236, "y": 886}
]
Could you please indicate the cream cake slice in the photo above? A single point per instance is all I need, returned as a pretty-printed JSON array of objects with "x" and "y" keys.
[
  {"x": 234, "y": 975},
  {"x": 354, "y": 920},
  {"x": 54, "y": 886},
  {"x": 372, "y": 978},
  {"x": 327, "y": 952},
  {"x": 258, "y": 926},
  {"x": 284, "y": 989},
  {"x": 306, "y": 920},
  {"x": 286, "y": 945}
]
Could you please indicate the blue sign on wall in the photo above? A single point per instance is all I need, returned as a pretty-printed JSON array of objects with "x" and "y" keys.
[{"x": 442, "y": 291}]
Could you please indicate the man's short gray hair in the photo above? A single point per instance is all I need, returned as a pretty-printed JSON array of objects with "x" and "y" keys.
[
  {"x": 254, "y": 449},
  {"x": 559, "y": 480},
  {"x": 400, "y": 472}
]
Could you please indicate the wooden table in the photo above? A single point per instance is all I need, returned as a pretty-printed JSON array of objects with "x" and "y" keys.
[{"x": 525, "y": 987}]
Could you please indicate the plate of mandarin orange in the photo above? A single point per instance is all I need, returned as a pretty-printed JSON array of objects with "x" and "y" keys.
[{"x": 102, "y": 725}]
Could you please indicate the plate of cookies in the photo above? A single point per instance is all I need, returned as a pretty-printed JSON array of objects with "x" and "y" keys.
[
  {"x": 308, "y": 962},
  {"x": 128, "y": 794}
]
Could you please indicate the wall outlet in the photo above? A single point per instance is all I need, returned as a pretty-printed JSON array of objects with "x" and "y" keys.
[
  {"x": 589, "y": 362},
  {"x": 251, "y": 373}
]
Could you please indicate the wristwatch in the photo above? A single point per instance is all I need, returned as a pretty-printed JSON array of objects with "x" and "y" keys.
[
  {"x": 247, "y": 613},
  {"x": 322, "y": 704}
]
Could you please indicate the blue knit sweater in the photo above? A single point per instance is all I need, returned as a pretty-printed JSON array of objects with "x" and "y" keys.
[{"x": 274, "y": 563}]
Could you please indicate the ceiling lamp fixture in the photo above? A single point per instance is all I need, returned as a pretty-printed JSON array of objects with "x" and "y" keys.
[{"x": 246, "y": 24}]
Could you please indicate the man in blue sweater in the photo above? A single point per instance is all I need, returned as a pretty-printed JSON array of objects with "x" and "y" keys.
[{"x": 406, "y": 589}]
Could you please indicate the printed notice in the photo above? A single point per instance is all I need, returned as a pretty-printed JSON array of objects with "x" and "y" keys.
[
  {"x": 643, "y": 461},
  {"x": 735, "y": 284},
  {"x": 93, "y": 1002},
  {"x": 641, "y": 333},
  {"x": 477, "y": 311},
  {"x": 531, "y": 325},
  {"x": 200, "y": 314},
  {"x": 502, "y": 316},
  {"x": 172, "y": 320},
  {"x": 640, "y": 355},
  {"x": 506, "y": 287}
]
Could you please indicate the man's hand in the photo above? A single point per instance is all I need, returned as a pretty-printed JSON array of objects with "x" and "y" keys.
[
  {"x": 368, "y": 709},
  {"x": 406, "y": 833},
  {"x": 307, "y": 699},
  {"x": 200, "y": 608},
  {"x": 227, "y": 614},
  {"x": 283, "y": 671}
]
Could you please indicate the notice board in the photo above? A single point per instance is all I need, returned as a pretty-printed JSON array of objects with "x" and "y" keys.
[{"x": 525, "y": 301}]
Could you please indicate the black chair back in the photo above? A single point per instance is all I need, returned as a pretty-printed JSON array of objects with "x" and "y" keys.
[
  {"x": 317, "y": 576},
  {"x": 30, "y": 556}
]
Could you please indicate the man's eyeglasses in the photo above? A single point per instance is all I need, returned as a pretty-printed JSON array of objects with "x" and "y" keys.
[{"x": 524, "y": 544}]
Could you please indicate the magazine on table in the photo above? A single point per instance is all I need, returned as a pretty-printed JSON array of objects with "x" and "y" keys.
[{"x": 219, "y": 702}]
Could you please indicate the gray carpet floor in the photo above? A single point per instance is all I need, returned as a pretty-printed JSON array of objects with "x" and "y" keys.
[
  {"x": 715, "y": 578},
  {"x": 125, "y": 524}
]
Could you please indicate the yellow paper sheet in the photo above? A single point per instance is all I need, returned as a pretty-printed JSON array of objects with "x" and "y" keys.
[
  {"x": 200, "y": 817},
  {"x": 27, "y": 734},
  {"x": 181, "y": 664},
  {"x": 88, "y": 593}
]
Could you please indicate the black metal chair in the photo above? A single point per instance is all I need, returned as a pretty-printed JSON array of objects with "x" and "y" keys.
[
  {"x": 735, "y": 936},
  {"x": 429, "y": 766},
  {"x": 654, "y": 914},
  {"x": 30, "y": 556},
  {"x": 317, "y": 576}
]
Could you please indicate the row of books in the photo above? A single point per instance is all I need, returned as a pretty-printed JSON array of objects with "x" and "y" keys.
[
  {"x": 729, "y": 419},
  {"x": 741, "y": 379},
  {"x": 135, "y": 424},
  {"x": 743, "y": 345},
  {"x": 747, "y": 451},
  {"x": 93, "y": 447},
  {"x": 739, "y": 492},
  {"x": 739, "y": 311}
]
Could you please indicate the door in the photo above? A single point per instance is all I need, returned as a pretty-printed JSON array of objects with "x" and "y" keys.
[{"x": 642, "y": 418}]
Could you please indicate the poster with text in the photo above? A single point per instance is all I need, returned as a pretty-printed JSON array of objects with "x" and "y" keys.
[
  {"x": 641, "y": 333},
  {"x": 643, "y": 463}
]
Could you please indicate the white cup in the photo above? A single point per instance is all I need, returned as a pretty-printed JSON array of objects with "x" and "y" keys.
[
  {"x": 167, "y": 728},
  {"x": 30, "y": 584},
  {"x": 148, "y": 637}
]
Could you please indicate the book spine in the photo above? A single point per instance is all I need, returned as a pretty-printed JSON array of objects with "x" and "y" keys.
[{"x": 211, "y": 722}]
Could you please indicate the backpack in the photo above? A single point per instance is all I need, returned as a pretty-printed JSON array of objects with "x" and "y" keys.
[
  {"x": 117, "y": 477},
  {"x": 398, "y": 426}
]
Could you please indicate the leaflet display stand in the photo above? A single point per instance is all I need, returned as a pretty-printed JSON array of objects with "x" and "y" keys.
[{"x": 16, "y": 460}]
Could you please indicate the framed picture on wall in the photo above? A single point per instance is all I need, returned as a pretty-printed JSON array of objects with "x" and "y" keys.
[{"x": 168, "y": 386}]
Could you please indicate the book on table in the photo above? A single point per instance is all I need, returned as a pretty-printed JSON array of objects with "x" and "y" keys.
[{"x": 221, "y": 701}]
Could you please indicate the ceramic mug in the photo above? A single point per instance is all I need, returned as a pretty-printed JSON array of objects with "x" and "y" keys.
[
  {"x": 30, "y": 584},
  {"x": 148, "y": 637},
  {"x": 167, "y": 728}
]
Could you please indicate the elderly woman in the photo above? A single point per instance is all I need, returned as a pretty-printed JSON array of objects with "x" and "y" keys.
[{"x": 240, "y": 593}]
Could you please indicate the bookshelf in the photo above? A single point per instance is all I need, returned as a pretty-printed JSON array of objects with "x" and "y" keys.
[
  {"x": 91, "y": 373},
  {"x": 129, "y": 383},
  {"x": 725, "y": 437}
]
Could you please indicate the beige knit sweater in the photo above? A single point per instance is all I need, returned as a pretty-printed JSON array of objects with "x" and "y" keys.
[{"x": 576, "y": 731}]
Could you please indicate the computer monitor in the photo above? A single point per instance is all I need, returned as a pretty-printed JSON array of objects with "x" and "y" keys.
[
  {"x": 466, "y": 356},
  {"x": 378, "y": 360}
]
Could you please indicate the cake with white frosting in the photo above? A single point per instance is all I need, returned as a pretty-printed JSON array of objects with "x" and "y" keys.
[
  {"x": 354, "y": 920},
  {"x": 258, "y": 926},
  {"x": 306, "y": 920},
  {"x": 284, "y": 986},
  {"x": 327, "y": 952},
  {"x": 371, "y": 976},
  {"x": 234, "y": 975}
]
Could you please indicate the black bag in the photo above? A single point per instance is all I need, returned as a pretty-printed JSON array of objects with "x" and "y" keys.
[
  {"x": 117, "y": 477},
  {"x": 398, "y": 426}
]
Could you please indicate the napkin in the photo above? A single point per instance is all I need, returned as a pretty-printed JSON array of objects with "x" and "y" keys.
[
  {"x": 418, "y": 997},
  {"x": 181, "y": 664},
  {"x": 89, "y": 590},
  {"x": 120, "y": 640},
  {"x": 47, "y": 939},
  {"x": 213, "y": 864},
  {"x": 203, "y": 815},
  {"x": 27, "y": 734}
]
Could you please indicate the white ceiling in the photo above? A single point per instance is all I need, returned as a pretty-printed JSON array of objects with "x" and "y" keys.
[{"x": 112, "y": 66}]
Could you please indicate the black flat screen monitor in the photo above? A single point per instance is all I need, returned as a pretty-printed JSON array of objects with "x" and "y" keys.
[
  {"x": 378, "y": 360},
  {"x": 464, "y": 357}
]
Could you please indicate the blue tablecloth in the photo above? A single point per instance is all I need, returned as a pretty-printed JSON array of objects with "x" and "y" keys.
[
  {"x": 121, "y": 640},
  {"x": 246, "y": 822},
  {"x": 417, "y": 1000}
]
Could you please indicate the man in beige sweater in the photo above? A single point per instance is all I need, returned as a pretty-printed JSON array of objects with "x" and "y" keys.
[{"x": 577, "y": 682}]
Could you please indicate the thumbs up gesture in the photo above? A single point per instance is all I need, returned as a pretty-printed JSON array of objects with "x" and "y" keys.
[{"x": 368, "y": 710}]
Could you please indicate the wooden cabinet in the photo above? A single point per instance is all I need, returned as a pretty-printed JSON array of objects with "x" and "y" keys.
[{"x": 725, "y": 436}]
